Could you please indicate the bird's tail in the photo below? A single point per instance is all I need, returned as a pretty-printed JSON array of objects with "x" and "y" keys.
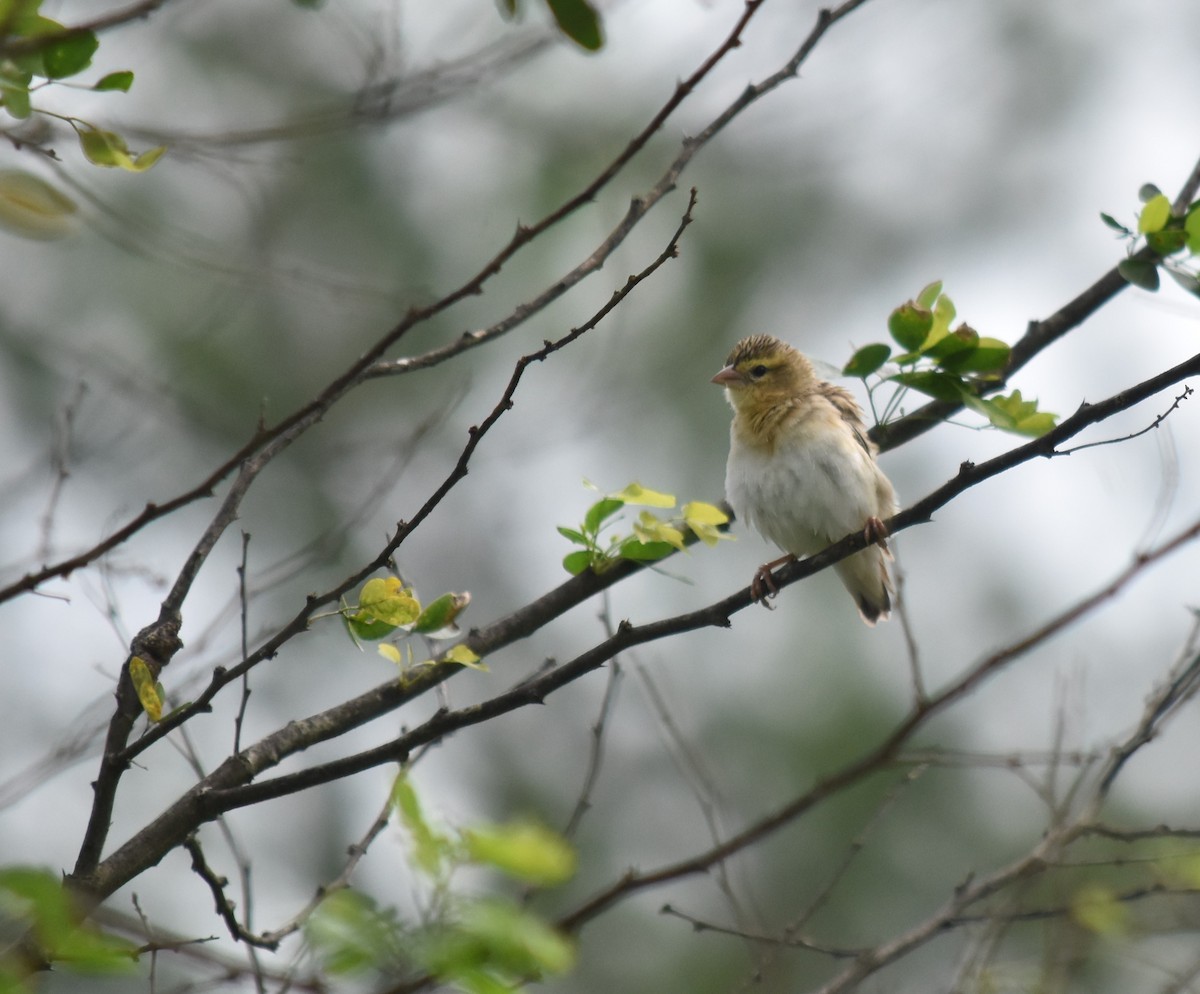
[{"x": 865, "y": 575}]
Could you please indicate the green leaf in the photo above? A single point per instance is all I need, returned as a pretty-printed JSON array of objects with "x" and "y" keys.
[
  {"x": 1116, "y": 225},
  {"x": 350, "y": 934},
  {"x": 929, "y": 294},
  {"x": 941, "y": 386},
  {"x": 14, "y": 91},
  {"x": 121, "y": 80},
  {"x": 990, "y": 355},
  {"x": 366, "y": 628},
  {"x": 577, "y": 562},
  {"x": 31, "y": 207},
  {"x": 997, "y": 415},
  {"x": 429, "y": 847},
  {"x": 572, "y": 535},
  {"x": 1167, "y": 241},
  {"x": 644, "y": 552},
  {"x": 943, "y": 314},
  {"x": 1139, "y": 272},
  {"x": 867, "y": 360},
  {"x": 1036, "y": 425},
  {"x": 1147, "y": 192},
  {"x": 962, "y": 339},
  {"x": 578, "y": 20},
  {"x": 524, "y": 850},
  {"x": 596, "y": 515},
  {"x": 641, "y": 496},
  {"x": 107, "y": 148},
  {"x": 497, "y": 937},
  {"x": 909, "y": 325},
  {"x": 1191, "y": 225},
  {"x": 1155, "y": 215},
  {"x": 69, "y": 55},
  {"x": 1014, "y": 413},
  {"x": 440, "y": 615},
  {"x": 37, "y": 897}
]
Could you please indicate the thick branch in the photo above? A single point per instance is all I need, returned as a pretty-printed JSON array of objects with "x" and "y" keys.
[
  {"x": 1037, "y": 336},
  {"x": 230, "y": 785}
]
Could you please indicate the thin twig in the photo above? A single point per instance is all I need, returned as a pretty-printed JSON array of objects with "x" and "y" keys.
[{"x": 244, "y": 615}]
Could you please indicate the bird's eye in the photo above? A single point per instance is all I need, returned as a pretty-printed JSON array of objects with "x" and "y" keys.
[{"x": 759, "y": 371}]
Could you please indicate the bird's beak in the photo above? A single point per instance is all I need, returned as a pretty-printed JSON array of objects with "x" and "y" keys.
[{"x": 727, "y": 376}]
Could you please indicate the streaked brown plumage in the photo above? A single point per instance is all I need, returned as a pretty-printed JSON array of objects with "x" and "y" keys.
[{"x": 801, "y": 469}]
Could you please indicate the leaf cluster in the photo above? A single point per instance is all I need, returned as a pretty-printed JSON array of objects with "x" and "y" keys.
[
  {"x": 652, "y": 537},
  {"x": 480, "y": 944},
  {"x": 386, "y": 606},
  {"x": 1168, "y": 236},
  {"x": 37, "y": 52},
  {"x": 957, "y": 365}
]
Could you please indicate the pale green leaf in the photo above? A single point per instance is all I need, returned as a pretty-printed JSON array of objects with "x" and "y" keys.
[
  {"x": 524, "y": 850},
  {"x": 1099, "y": 910},
  {"x": 1154, "y": 215}
]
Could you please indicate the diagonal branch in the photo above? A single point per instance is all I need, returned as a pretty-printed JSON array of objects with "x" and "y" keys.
[
  {"x": 1037, "y": 337},
  {"x": 316, "y": 409},
  {"x": 118, "y": 756},
  {"x": 231, "y": 785}
]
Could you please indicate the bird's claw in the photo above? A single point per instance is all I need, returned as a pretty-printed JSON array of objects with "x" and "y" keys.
[
  {"x": 762, "y": 587},
  {"x": 876, "y": 533}
]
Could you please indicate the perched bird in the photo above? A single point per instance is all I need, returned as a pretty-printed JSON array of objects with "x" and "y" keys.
[{"x": 801, "y": 469}]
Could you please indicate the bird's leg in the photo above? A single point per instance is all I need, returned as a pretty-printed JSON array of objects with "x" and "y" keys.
[
  {"x": 876, "y": 533},
  {"x": 763, "y": 586}
]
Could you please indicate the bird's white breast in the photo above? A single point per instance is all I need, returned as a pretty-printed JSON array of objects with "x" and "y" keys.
[{"x": 812, "y": 489}]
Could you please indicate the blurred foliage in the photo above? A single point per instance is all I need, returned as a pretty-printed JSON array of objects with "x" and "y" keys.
[
  {"x": 480, "y": 944},
  {"x": 34, "y": 901}
]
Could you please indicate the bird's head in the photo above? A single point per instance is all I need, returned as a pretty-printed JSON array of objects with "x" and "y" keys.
[{"x": 762, "y": 371}]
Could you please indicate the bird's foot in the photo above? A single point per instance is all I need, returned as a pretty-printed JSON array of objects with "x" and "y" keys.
[
  {"x": 762, "y": 587},
  {"x": 876, "y": 533}
]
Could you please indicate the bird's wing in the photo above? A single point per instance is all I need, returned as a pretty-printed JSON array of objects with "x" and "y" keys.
[{"x": 851, "y": 414}]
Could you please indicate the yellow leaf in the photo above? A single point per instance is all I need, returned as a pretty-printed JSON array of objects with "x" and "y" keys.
[
  {"x": 648, "y": 528},
  {"x": 1098, "y": 909},
  {"x": 31, "y": 207},
  {"x": 386, "y": 599},
  {"x": 391, "y": 653},
  {"x": 705, "y": 520},
  {"x": 635, "y": 493},
  {"x": 147, "y": 691},
  {"x": 464, "y": 657}
]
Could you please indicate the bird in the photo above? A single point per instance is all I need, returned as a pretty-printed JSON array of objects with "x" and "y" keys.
[{"x": 802, "y": 471}]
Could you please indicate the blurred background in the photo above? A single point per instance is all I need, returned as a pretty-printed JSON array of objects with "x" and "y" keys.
[{"x": 330, "y": 168}]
